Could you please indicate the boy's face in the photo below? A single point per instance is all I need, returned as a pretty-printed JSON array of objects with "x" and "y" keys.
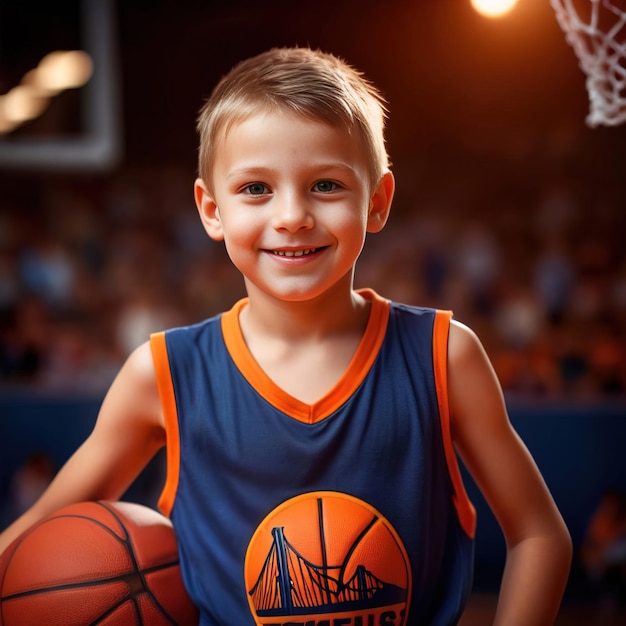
[{"x": 292, "y": 202}]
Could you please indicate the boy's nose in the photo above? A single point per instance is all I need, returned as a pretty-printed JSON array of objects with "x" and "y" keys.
[{"x": 292, "y": 212}]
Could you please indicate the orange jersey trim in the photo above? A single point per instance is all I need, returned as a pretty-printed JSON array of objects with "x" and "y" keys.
[
  {"x": 170, "y": 413},
  {"x": 356, "y": 372},
  {"x": 464, "y": 507}
]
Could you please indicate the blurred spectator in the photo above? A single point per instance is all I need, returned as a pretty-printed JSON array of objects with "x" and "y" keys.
[
  {"x": 9, "y": 283},
  {"x": 28, "y": 482},
  {"x": 518, "y": 316},
  {"x": 24, "y": 335},
  {"x": 478, "y": 262},
  {"x": 607, "y": 359},
  {"x": 143, "y": 312},
  {"x": 554, "y": 277},
  {"x": 617, "y": 292},
  {"x": 46, "y": 269},
  {"x": 557, "y": 211},
  {"x": 76, "y": 362},
  {"x": 603, "y": 551}
]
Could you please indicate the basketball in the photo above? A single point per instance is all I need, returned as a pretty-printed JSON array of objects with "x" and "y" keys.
[{"x": 108, "y": 563}]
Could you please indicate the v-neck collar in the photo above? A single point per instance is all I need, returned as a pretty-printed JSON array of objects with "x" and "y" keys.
[{"x": 357, "y": 370}]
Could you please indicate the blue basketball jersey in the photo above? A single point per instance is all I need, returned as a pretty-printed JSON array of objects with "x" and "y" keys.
[{"x": 348, "y": 511}]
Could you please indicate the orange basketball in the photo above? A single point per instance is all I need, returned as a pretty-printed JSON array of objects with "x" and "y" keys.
[{"x": 106, "y": 563}]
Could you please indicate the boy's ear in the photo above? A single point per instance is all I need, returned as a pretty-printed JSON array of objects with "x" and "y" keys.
[
  {"x": 380, "y": 203},
  {"x": 207, "y": 208}
]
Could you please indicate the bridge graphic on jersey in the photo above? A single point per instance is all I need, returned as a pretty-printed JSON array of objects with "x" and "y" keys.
[{"x": 289, "y": 584}]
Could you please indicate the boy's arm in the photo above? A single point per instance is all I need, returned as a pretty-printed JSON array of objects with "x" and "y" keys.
[
  {"x": 127, "y": 434},
  {"x": 539, "y": 549}
]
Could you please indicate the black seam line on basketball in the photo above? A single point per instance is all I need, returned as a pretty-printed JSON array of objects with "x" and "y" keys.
[
  {"x": 91, "y": 583},
  {"x": 108, "y": 612},
  {"x": 138, "y": 614},
  {"x": 131, "y": 550},
  {"x": 118, "y": 519},
  {"x": 129, "y": 544},
  {"x": 127, "y": 541},
  {"x": 114, "y": 608},
  {"x": 110, "y": 531}
]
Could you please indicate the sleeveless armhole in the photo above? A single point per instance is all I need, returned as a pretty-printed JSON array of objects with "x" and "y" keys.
[
  {"x": 168, "y": 402},
  {"x": 464, "y": 507}
]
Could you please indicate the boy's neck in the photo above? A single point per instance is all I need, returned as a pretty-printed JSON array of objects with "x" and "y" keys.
[
  {"x": 305, "y": 348},
  {"x": 328, "y": 315}
]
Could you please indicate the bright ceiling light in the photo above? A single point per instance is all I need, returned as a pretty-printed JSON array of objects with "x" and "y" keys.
[
  {"x": 63, "y": 70},
  {"x": 493, "y": 8},
  {"x": 23, "y": 103},
  {"x": 57, "y": 71},
  {"x": 6, "y": 125}
]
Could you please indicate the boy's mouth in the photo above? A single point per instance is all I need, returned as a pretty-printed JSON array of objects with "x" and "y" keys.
[{"x": 295, "y": 253}]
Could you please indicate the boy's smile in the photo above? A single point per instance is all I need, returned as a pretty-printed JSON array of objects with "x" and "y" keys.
[
  {"x": 291, "y": 200},
  {"x": 296, "y": 253}
]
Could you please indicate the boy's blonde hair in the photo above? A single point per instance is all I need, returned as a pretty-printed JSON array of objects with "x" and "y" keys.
[{"x": 309, "y": 82}]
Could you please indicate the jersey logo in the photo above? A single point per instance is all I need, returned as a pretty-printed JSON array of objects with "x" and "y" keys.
[{"x": 326, "y": 558}]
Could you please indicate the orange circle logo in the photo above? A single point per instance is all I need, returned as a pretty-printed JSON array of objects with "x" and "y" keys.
[{"x": 327, "y": 558}]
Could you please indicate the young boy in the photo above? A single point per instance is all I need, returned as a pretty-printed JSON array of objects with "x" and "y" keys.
[{"x": 311, "y": 430}]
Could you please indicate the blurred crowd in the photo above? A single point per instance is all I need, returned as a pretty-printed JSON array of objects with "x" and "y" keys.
[{"x": 89, "y": 267}]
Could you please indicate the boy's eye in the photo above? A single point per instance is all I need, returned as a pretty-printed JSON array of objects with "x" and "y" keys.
[
  {"x": 256, "y": 189},
  {"x": 325, "y": 186}
]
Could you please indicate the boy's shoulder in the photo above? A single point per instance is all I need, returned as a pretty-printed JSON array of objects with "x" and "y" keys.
[
  {"x": 191, "y": 333},
  {"x": 396, "y": 305},
  {"x": 420, "y": 325},
  {"x": 412, "y": 309},
  {"x": 197, "y": 327},
  {"x": 417, "y": 313}
]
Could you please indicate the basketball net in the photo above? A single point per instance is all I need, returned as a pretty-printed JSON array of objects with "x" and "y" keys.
[{"x": 596, "y": 30}]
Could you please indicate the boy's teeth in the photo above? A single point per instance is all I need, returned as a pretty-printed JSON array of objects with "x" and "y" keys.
[{"x": 294, "y": 252}]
